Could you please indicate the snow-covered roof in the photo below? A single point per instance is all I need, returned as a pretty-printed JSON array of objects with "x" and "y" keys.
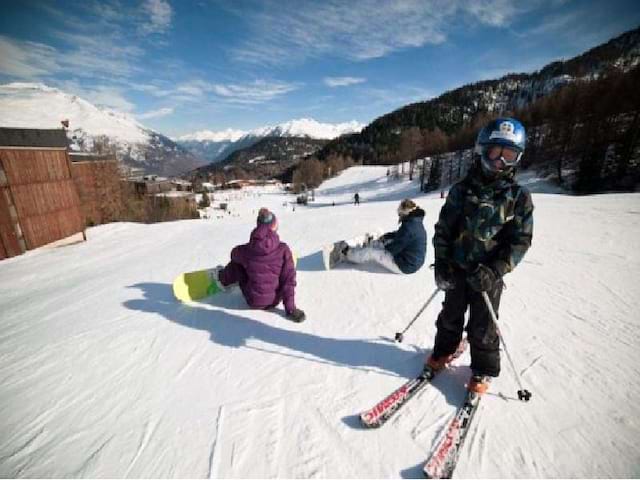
[{"x": 175, "y": 193}]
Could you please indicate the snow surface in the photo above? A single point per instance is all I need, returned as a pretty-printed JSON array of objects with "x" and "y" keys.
[{"x": 103, "y": 374}]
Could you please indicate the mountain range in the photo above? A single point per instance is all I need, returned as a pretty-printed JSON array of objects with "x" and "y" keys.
[
  {"x": 217, "y": 146},
  {"x": 95, "y": 128}
]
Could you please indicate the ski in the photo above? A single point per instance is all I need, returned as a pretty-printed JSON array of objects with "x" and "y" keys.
[
  {"x": 378, "y": 415},
  {"x": 444, "y": 458}
]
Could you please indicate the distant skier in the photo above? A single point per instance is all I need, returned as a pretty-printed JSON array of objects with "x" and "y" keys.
[
  {"x": 356, "y": 199},
  {"x": 402, "y": 251},
  {"x": 264, "y": 269},
  {"x": 484, "y": 230}
]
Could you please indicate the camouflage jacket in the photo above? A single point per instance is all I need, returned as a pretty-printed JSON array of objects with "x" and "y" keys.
[{"x": 488, "y": 223}]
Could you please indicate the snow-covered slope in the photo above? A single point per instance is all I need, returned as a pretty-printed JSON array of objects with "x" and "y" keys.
[
  {"x": 35, "y": 105},
  {"x": 103, "y": 374},
  {"x": 216, "y": 146}
]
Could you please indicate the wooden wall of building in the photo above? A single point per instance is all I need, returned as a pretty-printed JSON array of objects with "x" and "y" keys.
[
  {"x": 98, "y": 184},
  {"x": 43, "y": 193},
  {"x": 9, "y": 244}
]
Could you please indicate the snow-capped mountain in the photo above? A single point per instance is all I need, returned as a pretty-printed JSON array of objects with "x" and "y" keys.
[
  {"x": 307, "y": 127},
  {"x": 216, "y": 146},
  {"x": 92, "y": 128}
]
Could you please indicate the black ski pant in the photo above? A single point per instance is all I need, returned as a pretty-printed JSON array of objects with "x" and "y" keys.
[{"x": 481, "y": 331}]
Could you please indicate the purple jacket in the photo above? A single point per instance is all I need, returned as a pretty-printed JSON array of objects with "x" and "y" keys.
[{"x": 271, "y": 273}]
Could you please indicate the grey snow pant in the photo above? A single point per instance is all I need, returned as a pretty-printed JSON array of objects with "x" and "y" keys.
[{"x": 481, "y": 332}]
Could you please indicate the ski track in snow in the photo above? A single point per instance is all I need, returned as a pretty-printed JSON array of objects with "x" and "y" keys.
[{"x": 103, "y": 374}]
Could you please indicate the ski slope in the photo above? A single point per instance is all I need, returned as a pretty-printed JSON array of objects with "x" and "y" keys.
[{"x": 103, "y": 374}]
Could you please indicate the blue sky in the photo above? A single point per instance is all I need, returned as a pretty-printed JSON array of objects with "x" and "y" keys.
[{"x": 182, "y": 66}]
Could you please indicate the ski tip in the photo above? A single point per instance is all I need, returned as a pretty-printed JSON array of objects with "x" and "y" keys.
[{"x": 368, "y": 423}]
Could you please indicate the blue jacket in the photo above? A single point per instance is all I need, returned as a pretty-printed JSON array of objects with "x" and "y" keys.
[{"x": 409, "y": 244}]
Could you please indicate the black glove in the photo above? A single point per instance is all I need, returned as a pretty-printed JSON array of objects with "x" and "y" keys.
[
  {"x": 482, "y": 279},
  {"x": 387, "y": 237},
  {"x": 297, "y": 315},
  {"x": 444, "y": 275}
]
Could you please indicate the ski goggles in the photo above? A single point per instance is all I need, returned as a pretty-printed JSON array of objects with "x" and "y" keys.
[{"x": 507, "y": 155}]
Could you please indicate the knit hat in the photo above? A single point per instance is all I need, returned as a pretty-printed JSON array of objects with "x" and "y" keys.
[
  {"x": 266, "y": 217},
  {"x": 406, "y": 207}
]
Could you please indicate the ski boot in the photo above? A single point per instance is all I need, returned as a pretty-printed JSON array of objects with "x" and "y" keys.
[
  {"x": 437, "y": 364},
  {"x": 479, "y": 384},
  {"x": 338, "y": 254}
]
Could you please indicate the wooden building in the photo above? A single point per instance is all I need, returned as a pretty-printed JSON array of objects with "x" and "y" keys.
[
  {"x": 39, "y": 202},
  {"x": 97, "y": 178}
]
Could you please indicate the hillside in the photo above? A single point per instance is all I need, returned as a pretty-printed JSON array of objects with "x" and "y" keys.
[
  {"x": 267, "y": 158},
  {"x": 380, "y": 141},
  {"x": 103, "y": 374},
  {"x": 93, "y": 128}
]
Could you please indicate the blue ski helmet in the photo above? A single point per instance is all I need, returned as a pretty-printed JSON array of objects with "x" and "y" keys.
[{"x": 508, "y": 133}]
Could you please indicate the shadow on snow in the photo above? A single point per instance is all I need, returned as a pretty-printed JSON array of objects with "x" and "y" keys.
[{"x": 236, "y": 331}]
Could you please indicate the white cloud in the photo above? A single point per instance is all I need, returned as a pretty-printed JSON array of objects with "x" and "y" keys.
[
  {"x": 495, "y": 13},
  {"x": 343, "y": 81},
  {"x": 105, "y": 56},
  {"x": 100, "y": 41},
  {"x": 389, "y": 99},
  {"x": 193, "y": 89},
  {"x": 154, "y": 90},
  {"x": 359, "y": 30},
  {"x": 257, "y": 92},
  {"x": 161, "y": 112},
  {"x": 203, "y": 92},
  {"x": 493, "y": 70},
  {"x": 26, "y": 60},
  {"x": 159, "y": 13}
]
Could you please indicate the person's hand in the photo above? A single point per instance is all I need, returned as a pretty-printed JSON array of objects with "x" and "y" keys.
[
  {"x": 297, "y": 315},
  {"x": 482, "y": 279},
  {"x": 444, "y": 275}
]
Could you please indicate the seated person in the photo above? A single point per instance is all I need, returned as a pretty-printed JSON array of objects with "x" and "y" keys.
[
  {"x": 402, "y": 251},
  {"x": 264, "y": 269}
]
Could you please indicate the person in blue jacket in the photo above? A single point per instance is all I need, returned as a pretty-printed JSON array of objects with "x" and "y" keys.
[{"x": 402, "y": 251}]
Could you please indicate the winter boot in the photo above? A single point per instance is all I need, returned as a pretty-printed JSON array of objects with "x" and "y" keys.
[
  {"x": 218, "y": 284},
  {"x": 479, "y": 384}
]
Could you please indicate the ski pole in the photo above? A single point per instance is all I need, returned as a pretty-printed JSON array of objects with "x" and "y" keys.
[
  {"x": 399, "y": 335},
  {"x": 523, "y": 393}
]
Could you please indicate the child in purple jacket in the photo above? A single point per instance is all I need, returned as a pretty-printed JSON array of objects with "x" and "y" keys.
[{"x": 264, "y": 269}]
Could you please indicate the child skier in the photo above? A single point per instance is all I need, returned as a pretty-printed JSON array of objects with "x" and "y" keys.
[
  {"x": 402, "y": 251},
  {"x": 264, "y": 269},
  {"x": 484, "y": 229}
]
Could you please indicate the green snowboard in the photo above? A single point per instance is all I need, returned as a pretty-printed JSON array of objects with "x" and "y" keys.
[{"x": 196, "y": 285}]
